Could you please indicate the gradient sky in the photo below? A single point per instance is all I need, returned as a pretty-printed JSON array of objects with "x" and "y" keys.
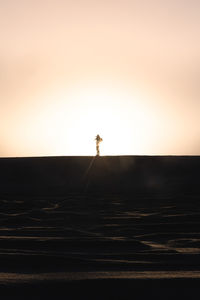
[{"x": 128, "y": 70}]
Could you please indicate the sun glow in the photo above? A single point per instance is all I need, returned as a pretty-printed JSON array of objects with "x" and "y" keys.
[
  {"x": 66, "y": 121},
  {"x": 120, "y": 117}
]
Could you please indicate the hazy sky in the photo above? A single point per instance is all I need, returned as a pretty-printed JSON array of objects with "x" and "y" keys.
[{"x": 127, "y": 69}]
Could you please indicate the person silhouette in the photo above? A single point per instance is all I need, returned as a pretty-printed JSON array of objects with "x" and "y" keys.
[{"x": 98, "y": 141}]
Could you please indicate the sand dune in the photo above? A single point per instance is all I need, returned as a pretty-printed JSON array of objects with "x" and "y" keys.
[{"x": 136, "y": 233}]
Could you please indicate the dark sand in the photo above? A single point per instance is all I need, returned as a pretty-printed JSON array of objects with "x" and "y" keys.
[{"x": 100, "y": 228}]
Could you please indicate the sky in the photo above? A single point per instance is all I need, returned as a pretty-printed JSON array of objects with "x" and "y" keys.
[{"x": 128, "y": 70}]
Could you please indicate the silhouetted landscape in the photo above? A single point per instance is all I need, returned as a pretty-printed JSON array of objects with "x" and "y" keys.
[
  {"x": 100, "y": 227},
  {"x": 99, "y": 149}
]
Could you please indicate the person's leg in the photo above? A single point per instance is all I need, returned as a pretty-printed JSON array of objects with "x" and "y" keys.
[{"x": 97, "y": 150}]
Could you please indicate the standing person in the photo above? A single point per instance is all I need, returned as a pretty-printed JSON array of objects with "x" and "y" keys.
[{"x": 98, "y": 141}]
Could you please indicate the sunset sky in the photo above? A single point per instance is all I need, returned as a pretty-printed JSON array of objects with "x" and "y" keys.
[{"x": 127, "y": 70}]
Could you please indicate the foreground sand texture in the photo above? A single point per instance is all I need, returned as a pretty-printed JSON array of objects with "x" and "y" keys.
[{"x": 100, "y": 228}]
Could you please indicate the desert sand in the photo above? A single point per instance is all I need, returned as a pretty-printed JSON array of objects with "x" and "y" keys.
[{"x": 100, "y": 227}]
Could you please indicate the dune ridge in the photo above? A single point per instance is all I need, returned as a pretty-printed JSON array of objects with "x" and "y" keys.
[{"x": 115, "y": 174}]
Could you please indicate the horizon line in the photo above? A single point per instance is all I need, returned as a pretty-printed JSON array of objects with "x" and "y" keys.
[{"x": 123, "y": 155}]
